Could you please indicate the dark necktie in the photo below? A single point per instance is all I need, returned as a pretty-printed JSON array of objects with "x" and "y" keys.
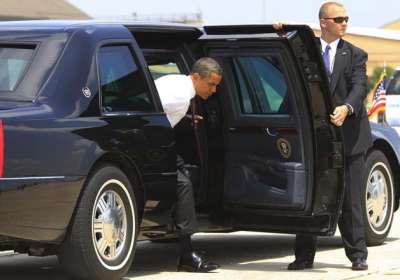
[
  {"x": 327, "y": 61},
  {"x": 193, "y": 107}
]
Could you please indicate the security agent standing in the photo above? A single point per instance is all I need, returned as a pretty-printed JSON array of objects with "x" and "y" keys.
[
  {"x": 345, "y": 65},
  {"x": 176, "y": 92}
]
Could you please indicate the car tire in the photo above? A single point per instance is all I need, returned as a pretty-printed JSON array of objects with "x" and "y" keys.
[
  {"x": 100, "y": 243},
  {"x": 378, "y": 198}
]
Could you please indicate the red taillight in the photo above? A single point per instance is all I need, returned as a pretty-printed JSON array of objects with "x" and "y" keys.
[{"x": 1, "y": 148}]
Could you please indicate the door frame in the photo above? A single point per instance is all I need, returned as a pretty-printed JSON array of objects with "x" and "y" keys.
[{"x": 324, "y": 201}]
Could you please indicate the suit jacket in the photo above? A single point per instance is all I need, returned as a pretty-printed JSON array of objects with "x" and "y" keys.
[{"x": 348, "y": 84}]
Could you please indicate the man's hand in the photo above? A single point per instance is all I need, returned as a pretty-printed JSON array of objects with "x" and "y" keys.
[
  {"x": 339, "y": 115},
  {"x": 278, "y": 25}
]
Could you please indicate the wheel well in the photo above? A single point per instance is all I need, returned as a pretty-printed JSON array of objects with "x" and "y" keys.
[
  {"x": 131, "y": 170},
  {"x": 387, "y": 150}
]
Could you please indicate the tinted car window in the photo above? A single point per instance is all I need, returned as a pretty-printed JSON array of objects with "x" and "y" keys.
[
  {"x": 394, "y": 84},
  {"x": 13, "y": 64},
  {"x": 159, "y": 70},
  {"x": 163, "y": 63},
  {"x": 263, "y": 86},
  {"x": 123, "y": 86},
  {"x": 246, "y": 104}
]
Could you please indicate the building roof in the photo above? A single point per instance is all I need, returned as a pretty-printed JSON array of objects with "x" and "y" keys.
[
  {"x": 39, "y": 9},
  {"x": 380, "y": 33},
  {"x": 392, "y": 25}
]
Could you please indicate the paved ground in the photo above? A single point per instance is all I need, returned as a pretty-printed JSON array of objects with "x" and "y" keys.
[{"x": 242, "y": 255}]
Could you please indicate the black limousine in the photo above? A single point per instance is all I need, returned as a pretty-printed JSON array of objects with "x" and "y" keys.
[{"x": 88, "y": 157}]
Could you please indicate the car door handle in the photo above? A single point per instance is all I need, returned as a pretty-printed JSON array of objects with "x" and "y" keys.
[
  {"x": 168, "y": 146},
  {"x": 135, "y": 131},
  {"x": 270, "y": 132},
  {"x": 136, "y": 134}
]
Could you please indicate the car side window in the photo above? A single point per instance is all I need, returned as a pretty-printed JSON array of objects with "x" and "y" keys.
[
  {"x": 263, "y": 85},
  {"x": 247, "y": 102},
  {"x": 161, "y": 64},
  {"x": 13, "y": 64},
  {"x": 162, "y": 69},
  {"x": 394, "y": 85},
  {"x": 123, "y": 87}
]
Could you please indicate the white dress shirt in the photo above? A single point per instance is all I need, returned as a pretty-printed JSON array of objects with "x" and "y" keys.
[
  {"x": 175, "y": 92},
  {"x": 332, "y": 52}
]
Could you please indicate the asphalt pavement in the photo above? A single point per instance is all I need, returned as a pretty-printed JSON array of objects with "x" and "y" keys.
[{"x": 242, "y": 255}]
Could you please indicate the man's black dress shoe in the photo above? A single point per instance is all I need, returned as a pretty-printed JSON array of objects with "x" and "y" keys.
[
  {"x": 359, "y": 264},
  {"x": 195, "y": 262},
  {"x": 300, "y": 265}
]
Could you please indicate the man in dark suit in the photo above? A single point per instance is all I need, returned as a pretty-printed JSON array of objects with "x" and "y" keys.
[
  {"x": 176, "y": 93},
  {"x": 346, "y": 70}
]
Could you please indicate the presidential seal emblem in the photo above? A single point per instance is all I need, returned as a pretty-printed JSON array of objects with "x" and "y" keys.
[
  {"x": 86, "y": 92},
  {"x": 284, "y": 147}
]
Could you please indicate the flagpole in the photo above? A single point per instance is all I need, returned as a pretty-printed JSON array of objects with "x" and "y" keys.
[{"x": 384, "y": 68}]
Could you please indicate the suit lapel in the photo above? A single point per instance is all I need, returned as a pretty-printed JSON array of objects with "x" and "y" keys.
[{"x": 341, "y": 54}]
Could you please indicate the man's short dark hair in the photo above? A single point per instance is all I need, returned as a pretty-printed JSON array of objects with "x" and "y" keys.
[{"x": 205, "y": 66}]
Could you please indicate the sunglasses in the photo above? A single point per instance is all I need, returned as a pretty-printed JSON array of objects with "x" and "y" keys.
[{"x": 339, "y": 19}]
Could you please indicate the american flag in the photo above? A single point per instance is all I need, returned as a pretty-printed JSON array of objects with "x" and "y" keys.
[{"x": 379, "y": 98}]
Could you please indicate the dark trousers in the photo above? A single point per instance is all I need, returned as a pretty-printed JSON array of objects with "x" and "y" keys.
[
  {"x": 184, "y": 213},
  {"x": 351, "y": 221}
]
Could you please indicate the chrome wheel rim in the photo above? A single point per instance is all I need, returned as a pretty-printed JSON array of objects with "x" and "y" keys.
[
  {"x": 377, "y": 197},
  {"x": 109, "y": 225}
]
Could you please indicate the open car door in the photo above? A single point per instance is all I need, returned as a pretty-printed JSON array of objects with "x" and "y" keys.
[{"x": 283, "y": 158}]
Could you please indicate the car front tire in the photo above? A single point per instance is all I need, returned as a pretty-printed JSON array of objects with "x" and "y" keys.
[
  {"x": 101, "y": 240},
  {"x": 378, "y": 198}
]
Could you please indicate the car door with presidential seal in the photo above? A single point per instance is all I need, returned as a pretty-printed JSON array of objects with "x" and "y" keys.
[{"x": 283, "y": 159}]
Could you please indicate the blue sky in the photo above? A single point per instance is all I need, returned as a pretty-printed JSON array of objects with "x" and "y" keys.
[{"x": 363, "y": 13}]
